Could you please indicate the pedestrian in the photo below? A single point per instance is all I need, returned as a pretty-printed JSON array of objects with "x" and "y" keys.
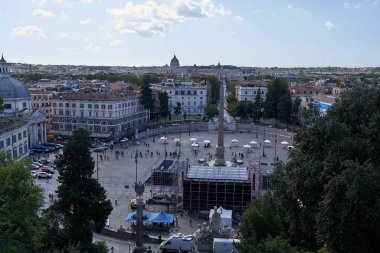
[{"x": 115, "y": 202}]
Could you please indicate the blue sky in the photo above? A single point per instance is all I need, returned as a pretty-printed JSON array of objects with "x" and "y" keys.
[{"x": 263, "y": 33}]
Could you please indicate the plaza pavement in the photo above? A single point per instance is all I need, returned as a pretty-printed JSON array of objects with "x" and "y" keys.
[{"x": 114, "y": 174}]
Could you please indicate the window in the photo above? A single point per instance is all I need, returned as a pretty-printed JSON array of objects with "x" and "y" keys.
[
  {"x": 82, "y": 114},
  {"x": 73, "y": 105},
  {"x": 195, "y": 103},
  {"x": 24, "y": 104},
  {"x": 1, "y": 145},
  {"x": 19, "y": 136},
  {"x": 201, "y": 92},
  {"x": 67, "y": 105},
  {"x": 103, "y": 106},
  {"x": 7, "y": 106},
  {"x": 13, "y": 139},
  {"x": 24, "y": 133},
  {"x": 60, "y": 104},
  {"x": 110, "y": 114},
  {"x": 73, "y": 113},
  {"x": 81, "y": 106},
  {"x": 8, "y": 142},
  {"x": 67, "y": 113},
  {"x": 96, "y": 114},
  {"x": 245, "y": 92},
  {"x": 89, "y": 113},
  {"x": 96, "y": 106},
  {"x": 89, "y": 106},
  {"x": 109, "y": 107},
  {"x": 54, "y": 104},
  {"x": 103, "y": 114}
]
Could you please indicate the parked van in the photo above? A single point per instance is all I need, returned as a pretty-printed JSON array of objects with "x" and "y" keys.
[
  {"x": 178, "y": 242},
  {"x": 221, "y": 245}
]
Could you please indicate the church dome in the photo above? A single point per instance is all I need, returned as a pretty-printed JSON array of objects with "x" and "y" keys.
[
  {"x": 10, "y": 88},
  {"x": 174, "y": 63}
]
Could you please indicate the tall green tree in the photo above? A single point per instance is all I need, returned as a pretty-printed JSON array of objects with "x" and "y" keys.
[
  {"x": 244, "y": 109},
  {"x": 259, "y": 221},
  {"x": 275, "y": 90},
  {"x": 20, "y": 202},
  {"x": 164, "y": 104},
  {"x": 295, "y": 115},
  {"x": 328, "y": 192},
  {"x": 82, "y": 201},
  {"x": 1, "y": 104},
  {"x": 214, "y": 88},
  {"x": 284, "y": 108},
  {"x": 274, "y": 245},
  {"x": 177, "y": 109},
  {"x": 146, "y": 92},
  {"x": 211, "y": 110}
]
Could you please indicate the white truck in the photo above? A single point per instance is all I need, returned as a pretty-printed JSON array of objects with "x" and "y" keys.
[
  {"x": 222, "y": 245},
  {"x": 178, "y": 242}
]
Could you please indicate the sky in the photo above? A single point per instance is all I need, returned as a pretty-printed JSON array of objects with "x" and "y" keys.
[{"x": 256, "y": 33}]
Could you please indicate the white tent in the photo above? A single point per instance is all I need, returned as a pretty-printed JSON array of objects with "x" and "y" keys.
[
  {"x": 253, "y": 142},
  {"x": 176, "y": 140},
  {"x": 285, "y": 143},
  {"x": 194, "y": 145},
  {"x": 225, "y": 215},
  {"x": 206, "y": 141},
  {"x": 247, "y": 146},
  {"x": 234, "y": 141},
  {"x": 163, "y": 139},
  {"x": 193, "y": 139},
  {"x": 267, "y": 141}
]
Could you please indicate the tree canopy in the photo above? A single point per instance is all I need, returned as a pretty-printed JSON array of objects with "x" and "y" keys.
[
  {"x": 329, "y": 191},
  {"x": 276, "y": 89},
  {"x": 211, "y": 110},
  {"x": 20, "y": 202},
  {"x": 82, "y": 201},
  {"x": 164, "y": 104}
]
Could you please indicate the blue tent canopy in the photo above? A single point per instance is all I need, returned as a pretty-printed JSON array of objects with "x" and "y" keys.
[
  {"x": 131, "y": 217},
  {"x": 162, "y": 217},
  {"x": 149, "y": 217}
]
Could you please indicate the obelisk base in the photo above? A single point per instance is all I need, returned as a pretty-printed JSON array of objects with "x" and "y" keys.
[{"x": 220, "y": 157}]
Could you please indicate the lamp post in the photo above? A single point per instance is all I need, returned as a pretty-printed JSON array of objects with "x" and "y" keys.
[
  {"x": 153, "y": 134},
  {"x": 275, "y": 146},
  {"x": 189, "y": 128},
  {"x": 165, "y": 141},
  {"x": 136, "y": 157},
  {"x": 264, "y": 142},
  {"x": 97, "y": 166}
]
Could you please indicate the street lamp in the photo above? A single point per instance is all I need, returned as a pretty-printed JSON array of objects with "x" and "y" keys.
[
  {"x": 165, "y": 141},
  {"x": 136, "y": 156},
  {"x": 97, "y": 166},
  {"x": 264, "y": 142},
  {"x": 153, "y": 134},
  {"x": 275, "y": 148}
]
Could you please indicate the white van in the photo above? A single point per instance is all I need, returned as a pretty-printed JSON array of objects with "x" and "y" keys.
[
  {"x": 178, "y": 242},
  {"x": 221, "y": 245}
]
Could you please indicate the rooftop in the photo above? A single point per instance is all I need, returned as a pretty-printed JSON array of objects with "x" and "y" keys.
[
  {"x": 218, "y": 173},
  {"x": 93, "y": 96}
]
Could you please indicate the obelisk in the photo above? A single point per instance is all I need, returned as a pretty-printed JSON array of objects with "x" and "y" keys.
[{"x": 220, "y": 149}]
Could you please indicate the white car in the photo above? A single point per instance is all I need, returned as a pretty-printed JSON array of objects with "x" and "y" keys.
[
  {"x": 43, "y": 175},
  {"x": 33, "y": 173}
]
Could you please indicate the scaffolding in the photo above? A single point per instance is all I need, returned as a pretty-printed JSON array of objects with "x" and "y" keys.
[{"x": 205, "y": 187}]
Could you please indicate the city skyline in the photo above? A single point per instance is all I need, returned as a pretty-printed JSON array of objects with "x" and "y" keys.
[{"x": 148, "y": 33}]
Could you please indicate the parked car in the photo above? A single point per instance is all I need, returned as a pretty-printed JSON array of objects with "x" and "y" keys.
[
  {"x": 33, "y": 173},
  {"x": 37, "y": 164},
  {"x": 31, "y": 152},
  {"x": 99, "y": 149},
  {"x": 43, "y": 175},
  {"x": 47, "y": 170},
  {"x": 178, "y": 242},
  {"x": 40, "y": 149},
  {"x": 50, "y": 145}
]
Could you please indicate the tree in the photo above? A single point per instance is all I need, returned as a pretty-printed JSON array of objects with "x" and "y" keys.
[
  {"x": 328, "y": 192},
  {"x": 231, "y": 104},
  {"x": 81, "y": 199},
  {"x": 284, "y": 108},
  {"x": 274, "y": 245},
  {"x": 146, "y": 92},
  {"x": 164, "y": 104},
  {"x": 276, "y": 89},
  {"x": 20, "y": 203},
  {"x": 244, "y": 109},
  {"x": 296, "y": 110},
  {"x": 260, "y": 220},
  {"x": 177, "y": 109},
  {"x": 1, "y": 104},
  {"x": 214, "y": 88},
  {"x": 211, "y": 110}
]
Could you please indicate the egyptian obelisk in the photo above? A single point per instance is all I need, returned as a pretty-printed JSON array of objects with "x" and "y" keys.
[{"x": 220, "y": 149}]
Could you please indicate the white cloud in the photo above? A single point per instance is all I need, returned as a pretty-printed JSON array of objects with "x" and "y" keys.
[
  {"x": 329, "y": 25},
  {"x": 374, "y": 3},
  {"x": 85, "y": 21},
  {"x": 43, "y": 13},
  {"x": 63, "y": 35},
  {"x": 76, "y": 1},
  {"x": 238, "y": 18},
  {"x": 28, "y": 30},
  {"x": 114, "y": 43},
  {"x": 92, "y": 48},
  {"x": 43, "y": 3},
  {"x": 292, "y": 8},
  {"x": 150, "y": 18}
]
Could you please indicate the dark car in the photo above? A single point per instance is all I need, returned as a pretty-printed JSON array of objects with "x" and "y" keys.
[
  {"x": 40, "y": 149},
  {"x": 99, "y": 149}
]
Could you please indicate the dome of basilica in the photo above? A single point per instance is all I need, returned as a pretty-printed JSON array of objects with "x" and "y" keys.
[{"x": 174, "y": 63}]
